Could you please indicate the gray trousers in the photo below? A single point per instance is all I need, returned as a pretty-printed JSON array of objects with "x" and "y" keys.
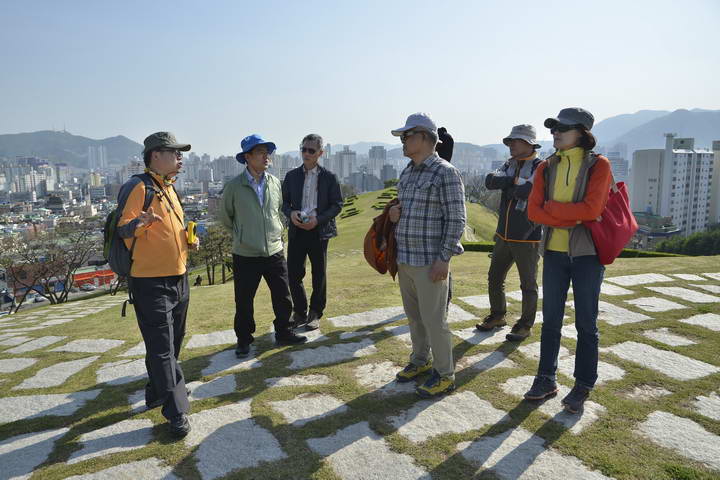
[
  {"x": 525, "y": 256},
  {"x": 425, "y": 304}
]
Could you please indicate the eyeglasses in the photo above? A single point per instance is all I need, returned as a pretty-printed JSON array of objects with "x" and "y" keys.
[
  {"x": 311, "y": 151},
  {"x": 562, "y": 128},
  {"x": 177, "y": 153},
  {"x": 406, "y": 135}
]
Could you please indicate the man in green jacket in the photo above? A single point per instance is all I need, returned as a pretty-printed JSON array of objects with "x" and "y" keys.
[{"x": 251, "y": 210}]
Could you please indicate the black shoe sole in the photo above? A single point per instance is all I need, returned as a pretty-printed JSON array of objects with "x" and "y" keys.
[
  {"x": 422, "y": 394},
  {"x": 286, "y": 343},
  {"x": 511, "y": 338},
  {"x": 549, "y": 394},
  {"x": 179, "y": 433},
  {"x": 310, "y": 328},
  {"x": 489, "y": 329}
]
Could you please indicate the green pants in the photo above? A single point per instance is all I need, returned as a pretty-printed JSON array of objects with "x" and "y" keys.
[{"x": 525, "y": 256}]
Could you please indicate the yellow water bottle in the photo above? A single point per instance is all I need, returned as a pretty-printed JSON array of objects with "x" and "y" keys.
[{"x": 191, "y": 227}]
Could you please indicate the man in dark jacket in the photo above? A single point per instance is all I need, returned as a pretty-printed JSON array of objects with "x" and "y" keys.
[
  {"x": 311, "y": 201},
  {"x": 517, "y": 238}
]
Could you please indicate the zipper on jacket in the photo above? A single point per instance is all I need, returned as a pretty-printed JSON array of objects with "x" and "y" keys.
[{"x": 567, "y": 175}]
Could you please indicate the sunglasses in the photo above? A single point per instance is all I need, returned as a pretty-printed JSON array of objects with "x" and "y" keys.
[
  {"x": 311, "y": 151},
  {"x": 177, "y": 153},
  {"x": 406, "y": 135},
  {"x": 562, "y": 128}
]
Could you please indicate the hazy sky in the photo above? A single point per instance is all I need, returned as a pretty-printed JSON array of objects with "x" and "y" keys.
[{"x": 216, "y": 71}]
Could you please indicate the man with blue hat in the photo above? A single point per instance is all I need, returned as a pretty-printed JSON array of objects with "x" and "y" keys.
[{"x": 251, "y": 209}]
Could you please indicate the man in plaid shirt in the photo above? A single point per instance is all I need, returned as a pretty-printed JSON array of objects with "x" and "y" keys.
[{"x": 430, "y": 222}]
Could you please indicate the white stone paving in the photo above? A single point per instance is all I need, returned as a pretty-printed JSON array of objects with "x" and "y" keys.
[
  {"x": 380, "y": 377},
  {"x": 400, "y": 332},
  {"x": 36, "y": 344},
  {"x": 358, "y": 453},
  {"x": 669, "y": 363},
  {"x": 613, "y": 290},
  {"x": 214, "y": 388},
  {"x": 641, "y": 279},
  {"x": 14, "y": 341},
  {"x": 708, "y": 406},
  {"x": 476, "y": 337},
  {"x": 56, "y": 374},
  {"x": 686, "y": 294},
  {"x": 615, "y": 315},
  {"x": 10, "y": 365},
  {"x": 664, "y": 335},
  {"x": 707, "y": 287},
  {"x": 359, "y": 333},
  {"x": 123, "y": 436},
  {"x": 645, "y": 392},
  {"x": 683, "y": 436},
  {"x": 654, "y": 304},
  {"x": 606, "y": 371},
  {"x": 20, "y": 455},
  {"x": 516, "y": 454},
  {"x": 457, "y": 314},
  {"x": 227, "y": 439},
  {"x": 478, "y": 301},
  {"x": 710, "y": 321},
  {"x": 689, "y": 277},
  {"x": 308, "y": 407},
  {"x": 372, "y": 317},
  {"x": 297, "y": 381},
  {"x": 33, "y": 406},
  {"x": 223, "y": 337},
  {"x": 86, "y": 345},
  {"x": 517, "y": 294},
  {"x": 457, "y": 413},
  {"x": 532, "y": 350},
  {"x": 57, "y": 321},
  {"x": 311, "y": 357},
  {"x": 225, "y": 362},
  {"x": 552, "y": 407},
  {"x": 124, "y": 371},
  {"x": 136, "y": 351},
  {"x": 147, "y": 469},
  {"x": 714, "y": 276},
  {"x": 486, "y": 361}
]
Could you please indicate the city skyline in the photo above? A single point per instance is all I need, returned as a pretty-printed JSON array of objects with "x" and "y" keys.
[{"x": 215, "y": 73}]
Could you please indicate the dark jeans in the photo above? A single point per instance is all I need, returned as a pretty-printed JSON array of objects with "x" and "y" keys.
[
  {"x": 586, "y": 274},
  {"x": 308, "y": 244},
  {"x": 161, "y": 305},
  {"x": 525, "y": 256},
  {"x": 247, "y": 274}
]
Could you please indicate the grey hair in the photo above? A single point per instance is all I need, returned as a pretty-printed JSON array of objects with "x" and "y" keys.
[
  {"x": 313, "y": 137},
  {"x": 427, "y": 134}
]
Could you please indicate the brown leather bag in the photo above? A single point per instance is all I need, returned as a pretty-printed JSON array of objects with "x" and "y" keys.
[{"x": 379, "y": 246}]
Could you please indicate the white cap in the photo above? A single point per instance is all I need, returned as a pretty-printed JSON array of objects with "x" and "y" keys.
[{"x": 417, "y": 120}]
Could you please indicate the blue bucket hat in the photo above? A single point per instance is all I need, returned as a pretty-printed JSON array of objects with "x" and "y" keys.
[{"x": 250, "y": 142}]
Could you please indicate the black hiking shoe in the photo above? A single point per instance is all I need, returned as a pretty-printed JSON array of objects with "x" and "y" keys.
[
  {"x": 242, "y": 350},
  {"x": 179, "y": 426},
  {"x": 573, "y": 401},
  {"x": 288, "y": 337},
  {"x": 542, "y": 387}
]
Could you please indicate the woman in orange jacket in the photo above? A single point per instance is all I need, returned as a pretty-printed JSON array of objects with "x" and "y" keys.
[{"x": 570, "y": 187}]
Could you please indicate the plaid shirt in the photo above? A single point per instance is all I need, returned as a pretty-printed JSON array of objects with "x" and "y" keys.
[{"x": 432, "y": 218}]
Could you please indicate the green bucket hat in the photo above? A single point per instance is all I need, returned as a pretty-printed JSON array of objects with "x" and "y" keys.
[{"x": 164, "y": 140}]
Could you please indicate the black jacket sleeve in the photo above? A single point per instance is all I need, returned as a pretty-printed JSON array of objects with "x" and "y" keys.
[
  {"x": 522, "y": 191},
  {"x": 335, "y": 201},
  {"x": 287, "y": 198},
  {"x": 497, "y": 182}
]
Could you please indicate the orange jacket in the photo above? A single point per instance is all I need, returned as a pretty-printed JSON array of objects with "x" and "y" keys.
[{"x": 161, "y": 248}]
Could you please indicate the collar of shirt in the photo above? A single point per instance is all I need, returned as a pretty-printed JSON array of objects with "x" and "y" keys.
[
  {"x": 251, "y": 179},
  {"x": 313, "y": 171},
  {"x": 425, "y": 163}
]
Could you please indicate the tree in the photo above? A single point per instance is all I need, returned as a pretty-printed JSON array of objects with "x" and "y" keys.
[
  {"x": 47, "y": 262},
  {"x": 475, "y": 191},
  {"x": 391, "y": 183},
  {"x": 347, "y": 190},
  {"x": 215, "y": 249}
]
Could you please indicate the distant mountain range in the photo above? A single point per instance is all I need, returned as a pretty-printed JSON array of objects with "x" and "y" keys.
[
  {"x": 642, "y": 129},
  {"x": 65, "y": 147}
]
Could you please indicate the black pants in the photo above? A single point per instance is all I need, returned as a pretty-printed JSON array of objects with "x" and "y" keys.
[
  {"x": 247, "y": 274},
  {"x": 308, "y": 244},
  {"x": 161, "y": 305}
]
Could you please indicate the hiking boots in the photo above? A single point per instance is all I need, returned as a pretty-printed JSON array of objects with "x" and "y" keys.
[
  {"x": 313, "y": 321},
  {"x": 436, "y": 386},
  {"x": 179, "y": 426},
  {"x": 412, "y": 371},
  {"x": 542, "y": 387},
  {"x": 492, "y": 321},
  {"x": 288, "y": 337},
  {"x": 573, "y": 401},
  {"x": 518, "y": 333},
  {"x": 242, "y": 350},
  {"x": 298, "y": 319}
]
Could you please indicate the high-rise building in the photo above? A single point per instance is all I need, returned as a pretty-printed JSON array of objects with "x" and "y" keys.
[
  {"x": 345, "y": 163},
  {"x": 226, "y": 168},
  {"x": 388, "y": 173},
  {"x": 97, "y": 157},
  {"x": 715, "y": 194},
  {"x": 377, "y": 155},
  {"x": 619, "y": 166},
  {"x": 674, "y": 182}
]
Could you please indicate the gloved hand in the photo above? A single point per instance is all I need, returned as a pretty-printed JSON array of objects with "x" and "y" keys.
[{"x": 445, "y": 146}]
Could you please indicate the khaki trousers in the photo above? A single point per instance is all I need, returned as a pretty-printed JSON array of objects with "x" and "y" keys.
[{"x": 425, "y": 304}]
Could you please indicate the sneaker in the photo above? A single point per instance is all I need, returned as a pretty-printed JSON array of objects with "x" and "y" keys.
[
  {"x": 491, "y": 321},
  {"x": 242, "y": 350},
  {"x": 574, "y": 400},
  {"x": 298, "y": 319},
  {"x": 518, "y": 333},
  {"x": 289, "y": 337},
  {"x": 542, "y": 387},
  {"x": 411, "y": 371},
  {"x": 436, "y": 386},
  {"x": 313, "y": 321},
  {"x": 179, "y": 426}
]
